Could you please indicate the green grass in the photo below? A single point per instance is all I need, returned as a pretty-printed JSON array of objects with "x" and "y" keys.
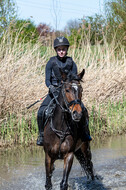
[
  {"x": 13, "y": 131},
  {"x": 108, "y": 120}
]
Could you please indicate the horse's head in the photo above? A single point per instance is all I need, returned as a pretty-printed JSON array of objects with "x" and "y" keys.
[{"x": 72, "y": 93}]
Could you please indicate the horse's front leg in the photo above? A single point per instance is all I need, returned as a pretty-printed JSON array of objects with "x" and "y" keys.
[
  {"x": 48, "y": 165},
  {"x": 68, "y": 161},
  {"x": 85, "y": 148}
]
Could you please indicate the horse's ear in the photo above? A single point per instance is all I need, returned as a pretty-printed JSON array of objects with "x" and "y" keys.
[
  {"x": 64, "y": 76},
  {"x": 80, "y": 75}
]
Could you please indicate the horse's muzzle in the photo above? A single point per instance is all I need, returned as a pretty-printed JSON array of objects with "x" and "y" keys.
[{"x": 76, "y": 116}]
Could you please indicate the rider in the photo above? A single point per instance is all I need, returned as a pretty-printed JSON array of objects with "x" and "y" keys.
[{"x": 53, "y": 79}]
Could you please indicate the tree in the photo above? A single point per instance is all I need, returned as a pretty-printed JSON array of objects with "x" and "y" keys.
[
  {"x": 46, "y": 33},
  {"x": 87, "y": 30},
  {"x": 72, "y": 25},
  {"x": 116, "y": 18},
  {"x": 94, "y": 28},
  {"x": 24, "y": 31},
  {"x": 7, "y": 13}
]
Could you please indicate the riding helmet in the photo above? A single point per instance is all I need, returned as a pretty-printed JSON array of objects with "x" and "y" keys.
[{"x": 61, "y": 41}]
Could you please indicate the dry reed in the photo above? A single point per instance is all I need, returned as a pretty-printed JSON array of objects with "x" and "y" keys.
[{"x": 22, "y": 75}]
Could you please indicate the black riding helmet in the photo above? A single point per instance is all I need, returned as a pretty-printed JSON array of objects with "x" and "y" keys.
[{"x": 61, "y": 41}]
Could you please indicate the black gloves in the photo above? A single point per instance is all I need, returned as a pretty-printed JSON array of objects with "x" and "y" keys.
[{"x": 52, "y": 89}]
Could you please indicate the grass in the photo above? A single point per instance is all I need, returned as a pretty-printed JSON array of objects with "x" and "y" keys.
[
  {"x": 13, "y": 131},
  {"x": 22, "y": 82},
  {"x": 109, "y": 119},
  {"x": 110, "y": 122}
]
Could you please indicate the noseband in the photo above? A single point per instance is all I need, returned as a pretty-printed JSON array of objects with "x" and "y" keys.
[{"x": 73, "y": 102}]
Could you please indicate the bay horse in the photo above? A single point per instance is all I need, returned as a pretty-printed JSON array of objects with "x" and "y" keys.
[{"x": 61, "y": 133}]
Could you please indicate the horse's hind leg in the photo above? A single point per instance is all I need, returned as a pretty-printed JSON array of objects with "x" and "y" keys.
[
  {"x": 68, "y": 161},
  {"x": 48, "y": 165},
  {"x": 83, "y": 155}
]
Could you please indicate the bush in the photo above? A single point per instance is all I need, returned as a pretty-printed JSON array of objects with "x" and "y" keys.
[
  {"x": 90, "y": 30},
  {"x": 116, "y": 19},
  {"x": 23, "y": 31}
]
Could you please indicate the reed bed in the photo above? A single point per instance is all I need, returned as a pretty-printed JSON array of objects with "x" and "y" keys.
[
  {"x": 22, "y": 82},
  {"x": 15, "y": 131},
  {"x": 109, "y": 119}
]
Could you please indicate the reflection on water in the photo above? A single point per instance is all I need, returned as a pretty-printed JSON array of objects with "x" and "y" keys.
[
  {"x": 23, "y": 168},
  {"x": 112, "y": 148},
  {"x": 17, "y": 165}
]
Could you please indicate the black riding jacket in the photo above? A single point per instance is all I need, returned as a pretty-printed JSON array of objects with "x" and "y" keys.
[{"x": 53, "y": 76}]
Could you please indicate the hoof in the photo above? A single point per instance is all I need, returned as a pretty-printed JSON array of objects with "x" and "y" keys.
[
  {"x": 63, "y": 187},
  {"x": 48, "y": 187}
]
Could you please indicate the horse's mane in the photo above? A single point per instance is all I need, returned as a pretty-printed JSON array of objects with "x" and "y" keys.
[{"x": 72, "y": 76}]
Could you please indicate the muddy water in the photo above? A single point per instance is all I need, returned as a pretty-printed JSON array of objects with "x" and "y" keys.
[{"x": 23, "y": 168}]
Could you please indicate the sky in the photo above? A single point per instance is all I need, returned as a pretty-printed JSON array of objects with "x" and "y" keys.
[{"x": 57, "y": 13}]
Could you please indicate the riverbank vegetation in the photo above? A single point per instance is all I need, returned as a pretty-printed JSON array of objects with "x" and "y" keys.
[
  {"x": 22, "y": 80},
  {"x": 108, "y": 120}
]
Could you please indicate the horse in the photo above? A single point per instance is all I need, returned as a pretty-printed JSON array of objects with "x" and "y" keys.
[{"x": 61, "y": 133}]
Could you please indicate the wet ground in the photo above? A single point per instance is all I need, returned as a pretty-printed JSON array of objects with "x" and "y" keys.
[{"x": 23, "y": 168}]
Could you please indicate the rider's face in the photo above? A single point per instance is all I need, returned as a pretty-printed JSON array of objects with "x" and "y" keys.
[{"x": 62, "y": 51}]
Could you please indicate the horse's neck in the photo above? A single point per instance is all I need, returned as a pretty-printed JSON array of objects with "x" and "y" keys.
[
  {"x": 59, "y": 115},
  {"x": 58, "y": 111}
]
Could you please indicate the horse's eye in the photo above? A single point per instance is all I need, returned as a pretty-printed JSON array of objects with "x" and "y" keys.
[{"x": 67, "y": 90}]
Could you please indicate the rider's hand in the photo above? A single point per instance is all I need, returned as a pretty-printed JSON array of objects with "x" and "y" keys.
[{"x": 52, "y": 89}]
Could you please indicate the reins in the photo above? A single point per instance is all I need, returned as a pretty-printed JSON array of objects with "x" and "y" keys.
[{"x": 57, "y": 102}]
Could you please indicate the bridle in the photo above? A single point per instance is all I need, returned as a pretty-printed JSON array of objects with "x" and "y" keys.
[{"x": 73, "y": 102}]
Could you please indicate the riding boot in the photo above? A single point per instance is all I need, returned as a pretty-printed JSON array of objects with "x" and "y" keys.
[
  {"x": 85, "y": 137},
  {"x": 40, "y": 139}
]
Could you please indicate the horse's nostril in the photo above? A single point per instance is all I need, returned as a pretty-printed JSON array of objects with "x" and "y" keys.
[
  {"x": 76, "y": 115},
  {"x": 74, "y": 112}
]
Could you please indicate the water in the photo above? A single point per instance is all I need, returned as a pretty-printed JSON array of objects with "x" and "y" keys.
[{"x": 23, "y": 168}]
